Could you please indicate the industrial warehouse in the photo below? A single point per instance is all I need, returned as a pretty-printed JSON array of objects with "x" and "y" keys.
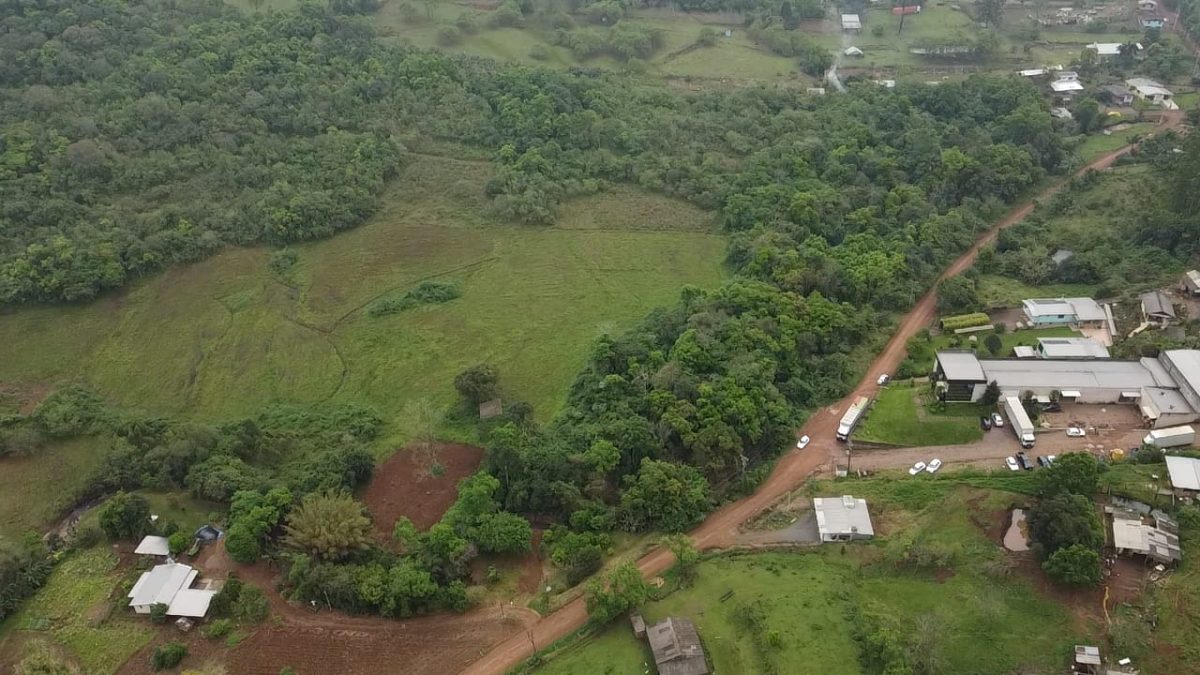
[{"x": 1166, "y": 389}]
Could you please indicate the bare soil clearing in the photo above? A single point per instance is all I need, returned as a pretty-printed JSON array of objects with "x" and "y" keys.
[{"x": 403, "y": 486}]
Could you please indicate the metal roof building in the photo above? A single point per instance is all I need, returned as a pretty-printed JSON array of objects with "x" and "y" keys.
[
  {"x": 1184, "y": 473},
  {"x": 842, "y": 518},
  {"x": 1071, "y": 348},
  {"x": 1131, "y": 535},
  {"x": 676, "y": 646},
  {"x": 152, "y": 545},
  {"x": 1050, "y": 311},
  {"x": 1156, "y": 306},
  {"x": 169, "y": 585},
  {"x": 851, "y": 22}
]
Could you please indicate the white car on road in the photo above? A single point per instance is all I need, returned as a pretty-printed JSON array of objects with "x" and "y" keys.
[
  {"x": 997, "y": 420},
  {"x": 883, "y": 379},
  {"x": 1011, "y": 463},
  {"x": 803, "y": 442},
  {"x": 934, "y": 465},
  {"x": 916, "y": 468}
]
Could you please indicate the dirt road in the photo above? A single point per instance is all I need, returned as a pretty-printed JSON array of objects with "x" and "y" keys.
[{"x": 795, "y": 467}]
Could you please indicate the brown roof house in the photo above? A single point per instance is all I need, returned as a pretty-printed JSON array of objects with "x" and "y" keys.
[{"x": 676, "y": 647}]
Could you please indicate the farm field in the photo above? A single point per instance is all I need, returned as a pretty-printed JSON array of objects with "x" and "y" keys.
[
  {"x": 72, "y": 611},
  {"x": 795, "y": 612},
  {"x": 225, "y": 337},
  {"x": 897, "y": 419}
]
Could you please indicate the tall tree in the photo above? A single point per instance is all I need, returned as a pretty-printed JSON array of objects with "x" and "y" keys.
[{"x": 329, "y": 526}]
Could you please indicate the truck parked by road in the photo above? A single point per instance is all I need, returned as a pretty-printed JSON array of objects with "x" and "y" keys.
[
  {"x": 1019, "y": 420},
  {"x": 1171, "y": 437},
  {"x": 853, "y": 416}
]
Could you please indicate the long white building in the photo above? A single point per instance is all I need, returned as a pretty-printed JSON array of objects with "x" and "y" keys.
[{"x": 1166, "y": 389}]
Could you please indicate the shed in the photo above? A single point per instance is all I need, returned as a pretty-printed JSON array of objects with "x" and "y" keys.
[
  {"x": 1032, "y": 72},
  {"x": 1157, "y": 308},
  {"x": 1117, "y": 94},
  {"x": 676, "y": 646},
  {"x": 852, "y": 51},
  {"x": 1087, "y": 659},
  {"x": 1191, "y": 282},
  {"x": 1132, "y": 536},
  {"x": 490, "y": 409},
  {"x": 842, "y": 518},
  {"x": 1103, "y": 49},
  {"x": 1071, "y": 348},
  {"x": 1153, "y": 22},
  {"x": 208, "y": 533},
  {"x": 851, "y": 22},
  {"x": 152, "y": 545},
  {"x": 1065, "y": 86},
  {"x": 1024, "y": 352},
  {"x": 1184, "y": 473},
  {"x": 639, "y": 626}
]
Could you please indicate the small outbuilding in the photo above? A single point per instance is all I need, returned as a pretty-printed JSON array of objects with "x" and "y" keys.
[
  {"x": 153, "y": 545},
  {"x": 1148, "y": 5},
  {"x": 842, "y": 518},
  {"x": 676, "y": 647},
  {"x": 1191, "y": 283},
  {"x": 851, "y": 23},
  {"x": 1184, "y": 473},
  {"x": 1117, "y": 95},
  {"x": 852, "y": 51},
  {"x": 1131, "y": 536},
  {"x": 1157, "y": 308},
  {"x": 1154, "y": 22},
  {"x": 1071, "y": 348}
]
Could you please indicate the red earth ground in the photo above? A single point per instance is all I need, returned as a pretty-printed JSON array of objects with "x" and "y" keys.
[{"x": 403, "y": 486}]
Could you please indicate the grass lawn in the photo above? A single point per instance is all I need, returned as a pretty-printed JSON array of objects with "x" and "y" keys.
[
  {"x": 224, "y": 337},
  {"x": 72, "y": 611},
  {"x": 896, "y": 419},
  {"x": 997, "y": 291},
  {"x": 35, "y": 489},
  {"x": 1098, "y": 144},
  {"x": 1008, "y": 339},
  {"x": 804, "y": 602}
]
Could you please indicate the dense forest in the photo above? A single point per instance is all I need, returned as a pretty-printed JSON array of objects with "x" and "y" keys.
[{"x": 134, "y": 136}]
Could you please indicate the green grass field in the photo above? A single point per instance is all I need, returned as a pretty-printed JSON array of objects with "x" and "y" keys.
[
  {"x": 35, "y": 489},
  {"x": 1008, "y": 339},
  {"x": 806, "y": 599},
  {"x": 1096, "y": 145},
  {"x": 895, "y": 418},
  {"x": 224, "y": 337},
  {"x": 72, "y": 610},
  {"x": 998, "y": 291}
]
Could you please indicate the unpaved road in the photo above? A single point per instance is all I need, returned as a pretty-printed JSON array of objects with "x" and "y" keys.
[{"x": 720, "y": 529}]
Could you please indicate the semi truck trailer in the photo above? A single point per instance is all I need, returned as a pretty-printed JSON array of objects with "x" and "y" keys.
[
  {"x": 853, "y": 416},
  {"x": 1018, "y": 419},
  {"x": 1171, "y": 437}
]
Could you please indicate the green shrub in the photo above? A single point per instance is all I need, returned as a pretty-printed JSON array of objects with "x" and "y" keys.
[
  {"x": 224, "y": 601},
  {"x": 158, "y": 613},
  {"x": 168, "y": 655},
  {"x": 965, "y": 321},
  {"x": 178, "y": 542},
  {"x": 252, "y": 605},
  {"x": 425, "y": 293},
  {"x": 448, "y": 36},
  {"x": 217, "y": 629}
]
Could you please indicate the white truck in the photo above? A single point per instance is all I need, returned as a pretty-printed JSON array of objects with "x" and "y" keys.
[
  {"x": 853, "y": 416},
  {"x": 1171, "y": 437},
  {"x": 1018, "y": 419}
]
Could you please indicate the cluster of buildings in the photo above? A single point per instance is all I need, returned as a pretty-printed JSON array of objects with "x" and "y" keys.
[
  {"x": 1165, "y": 388},
  {"x": 176, "y": 586}
]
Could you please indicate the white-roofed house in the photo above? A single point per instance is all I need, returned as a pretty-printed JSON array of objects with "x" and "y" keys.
[
  {"x": 1149, "y": 90},
  {"x": 153, "y": 545},
  {"x": 1040, "y": 312},
  {"x": 1157, "y": 308},
  {"x": 170, "y": 584},
  {"x": 842, "y": 518}
]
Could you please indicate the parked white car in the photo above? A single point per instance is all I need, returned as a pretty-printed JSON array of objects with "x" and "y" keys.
[
  {"x": 997, "y": 420},
  {"x": 934, "y": 465},
  {"x": 1050, "y": 459},
  {"x": 1076, "y": 432},
  {"x": 1011, "y": 463},
  {"x": 883, "y": 379},
  {"x": 916, "y": 468},
  {"x": 803, "y": 442}
]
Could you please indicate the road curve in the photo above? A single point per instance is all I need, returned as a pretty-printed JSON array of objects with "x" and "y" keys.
[{"x": 794, "y": 467}]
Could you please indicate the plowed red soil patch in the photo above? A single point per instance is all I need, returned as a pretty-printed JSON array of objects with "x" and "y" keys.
[{"x": 403, "y": 486}]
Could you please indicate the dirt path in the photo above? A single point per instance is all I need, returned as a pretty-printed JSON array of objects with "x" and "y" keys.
[{"x": 720, "y": 529}]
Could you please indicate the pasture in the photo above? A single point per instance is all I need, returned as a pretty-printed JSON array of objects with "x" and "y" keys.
[
  {"x": 896, "y": 418},
  {"x": 226, "y": 336}
]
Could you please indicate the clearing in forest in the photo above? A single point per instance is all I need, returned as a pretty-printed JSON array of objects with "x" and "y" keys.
[{"x": 224, "y": 337}]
